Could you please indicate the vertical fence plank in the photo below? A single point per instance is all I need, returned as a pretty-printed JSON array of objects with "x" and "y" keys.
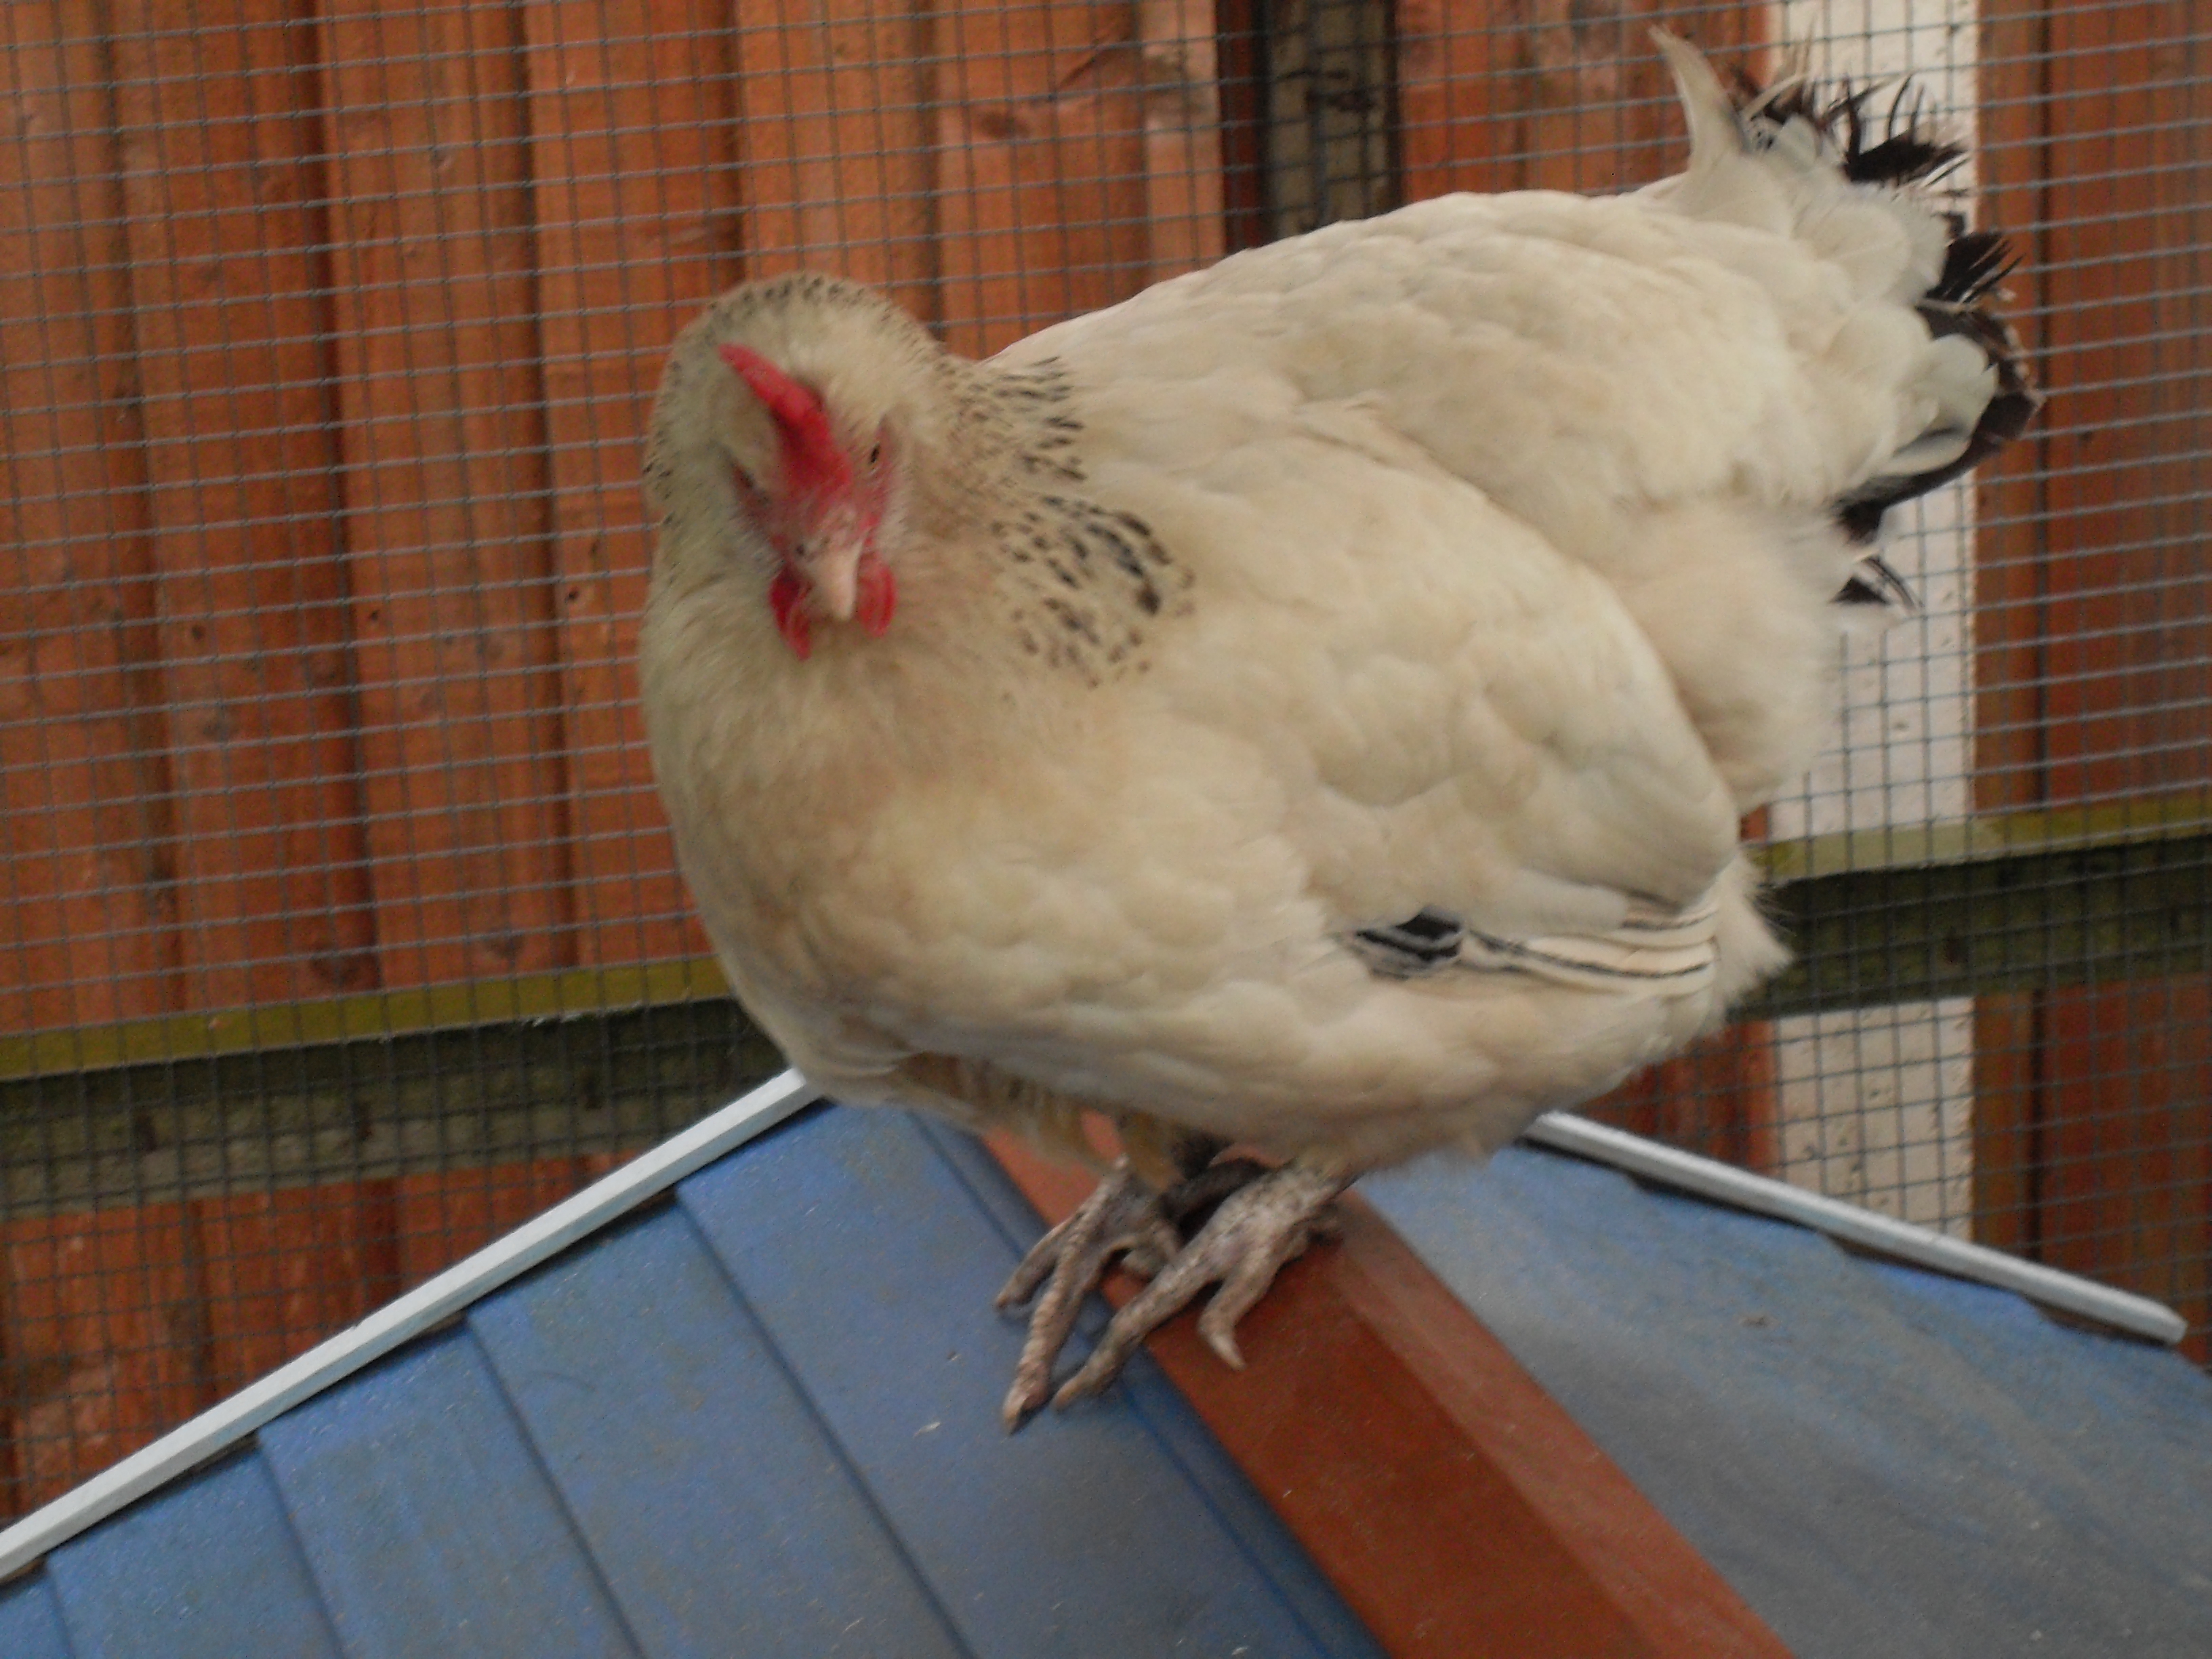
[
  {"x": 100, "y": 1334},
  {"x": 1041, "y": 165},
  {"x": 2126, "y": 615},
  {"x": 1459, "y": 115},
  {"x": 446, "y": 510},
  {"x": 1185, "y": 198},
  {"x": 634, "y": 175},
  {"x": 2009, "y": 553},
  {"x": 836, "y": 151},
  {"x": 285, "y": 1269},
  {"x": 2127, "y": 1142},
  {"x": 86, "y": 917},
  {"x": 216, "y": 115}
]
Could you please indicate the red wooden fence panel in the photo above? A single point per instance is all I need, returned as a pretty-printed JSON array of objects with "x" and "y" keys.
[
  {"x": 2094, "y": 1126},
  {"x": 440, "y": 407},
  {"x": 223, "y": 192},
  {"x": 86, "y": 933}
]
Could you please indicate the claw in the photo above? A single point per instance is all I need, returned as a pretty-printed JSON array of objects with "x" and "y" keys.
[
  {"x": 1261, "y": 1227},
  {"x": 1123, "y": 1218}
]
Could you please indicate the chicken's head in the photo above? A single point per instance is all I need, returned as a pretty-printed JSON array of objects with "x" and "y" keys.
[
  {"x": 787, "y": 452},
  {"x": 819, "y": 505}
]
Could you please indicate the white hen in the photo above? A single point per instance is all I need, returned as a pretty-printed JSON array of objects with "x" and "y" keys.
[{"x": 1310, "y": 704}]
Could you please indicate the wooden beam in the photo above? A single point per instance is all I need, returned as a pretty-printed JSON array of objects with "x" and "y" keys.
[{"x": 1454, "y": 1504}]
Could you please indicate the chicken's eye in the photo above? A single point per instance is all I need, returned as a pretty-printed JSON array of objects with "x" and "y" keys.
[{"x": 876, "y": 452}]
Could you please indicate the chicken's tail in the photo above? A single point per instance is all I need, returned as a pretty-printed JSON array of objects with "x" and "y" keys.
[{"x": 1814, "y": 163}]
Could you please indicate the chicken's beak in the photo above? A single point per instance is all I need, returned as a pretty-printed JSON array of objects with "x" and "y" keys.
[
  {"x": 830, "y": 565},
  {"x": 847, "y": 579},
  {"x": 830, "y": 560}
]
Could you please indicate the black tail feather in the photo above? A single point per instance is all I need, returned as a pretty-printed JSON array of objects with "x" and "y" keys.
[{"x": 1900, "y": 150}]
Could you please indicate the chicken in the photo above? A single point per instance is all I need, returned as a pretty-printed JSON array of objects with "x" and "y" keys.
[{"x": 1309, "y": 705}]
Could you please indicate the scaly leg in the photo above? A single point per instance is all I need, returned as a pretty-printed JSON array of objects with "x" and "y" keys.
[
  {"x": 1126, "y": 1218},
  {"x": 1255, "y": 1220},
  {"x": 1265, "y": 1223}
]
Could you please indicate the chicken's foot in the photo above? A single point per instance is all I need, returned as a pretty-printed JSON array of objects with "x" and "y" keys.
[
  {"x": 1124, "y": 1218},
  {"x": 1265, "y": 1222},
  {"x": 1248, "y": 1220}
]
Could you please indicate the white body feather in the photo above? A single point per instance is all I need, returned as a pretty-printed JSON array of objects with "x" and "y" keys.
[{"x": 1497, "y": 546}]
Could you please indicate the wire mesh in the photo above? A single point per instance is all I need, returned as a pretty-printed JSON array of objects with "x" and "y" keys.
[{"x": 340, "y": 929}]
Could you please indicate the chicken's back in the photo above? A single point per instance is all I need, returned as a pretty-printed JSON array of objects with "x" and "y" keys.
[{"x": 1707, "y": 392}]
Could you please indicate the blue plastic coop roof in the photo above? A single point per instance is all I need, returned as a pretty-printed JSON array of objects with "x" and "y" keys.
[
  {"x": 1881, "y": 1460},
  {"x": 760, "y": 1417}
]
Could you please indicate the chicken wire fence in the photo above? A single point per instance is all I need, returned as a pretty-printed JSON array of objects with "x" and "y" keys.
[{"x": 341, "y": 929}]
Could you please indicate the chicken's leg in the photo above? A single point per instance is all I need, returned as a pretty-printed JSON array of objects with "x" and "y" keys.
[
  {"x": 1264, "y": 1225},
  {"x": 1255, "y": 1220}
]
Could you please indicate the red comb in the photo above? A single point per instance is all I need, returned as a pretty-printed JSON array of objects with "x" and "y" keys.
[{"x": 813, "y": 463}]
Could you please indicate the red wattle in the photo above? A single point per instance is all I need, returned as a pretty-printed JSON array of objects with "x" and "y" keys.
[
  {"x": 875, "y": 596},
  {"x": 786, "y": 597}
]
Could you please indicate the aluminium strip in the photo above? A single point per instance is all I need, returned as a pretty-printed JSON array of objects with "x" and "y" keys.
[
  {"x": 1723, "y": 1183},
  {"x": 215, "y": 1430},
  {"x": 222, "y": 1426}
]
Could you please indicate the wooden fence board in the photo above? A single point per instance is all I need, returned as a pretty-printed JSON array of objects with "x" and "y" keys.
[
  {"x": 1042, "y": 165},
  {"x": 447, "y": 518},
  {"x": 2126, "y": 1165},
  {"x": 1185, "y": 198},
  {"x": 2008, "y": 576},
  {"x": 283, "y": 1270},
  {"x": 442, "y": 1216},
  {"x": 1460, "y": 122},
  {"x": 221, "y": 186},
  {"x": 100, "y": 1338},
  {"x": 835, "y": 141},
  {"x": 87, "y": 914},
  {"x": 2095, "y": 621},
  {"x": 634, "y": 179}
]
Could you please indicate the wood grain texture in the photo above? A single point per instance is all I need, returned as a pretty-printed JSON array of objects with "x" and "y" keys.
[
  {"x": 103, "y": 1341},
  {"x": 281, "y": 1270},
  {"x": 2093, "y": 619},
  {"x": 1041, "y": 165},
  {"x": 633, "y": 172},
  {"x": 221, "y": 189},
  {"x": 836, "y": 141},
  {"x": 447, "y": 517},
  {"x": 88, "y": 913},
  {"x": 1455, "y": 1505}
]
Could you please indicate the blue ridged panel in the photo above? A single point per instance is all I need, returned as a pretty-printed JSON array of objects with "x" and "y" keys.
[
  {"x": 1879, "y": 1460},
  {"x": 31, "y": 1622},
  {"x": 724, "y": 1519},
  {"x": 761, "y": 1420},
  {"x": 872, "y": 1266},
  {"x": 1202, "y": 1460},
  {"x": 428, "y": 1523},
  {"x": 179, "y": 1575}
]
